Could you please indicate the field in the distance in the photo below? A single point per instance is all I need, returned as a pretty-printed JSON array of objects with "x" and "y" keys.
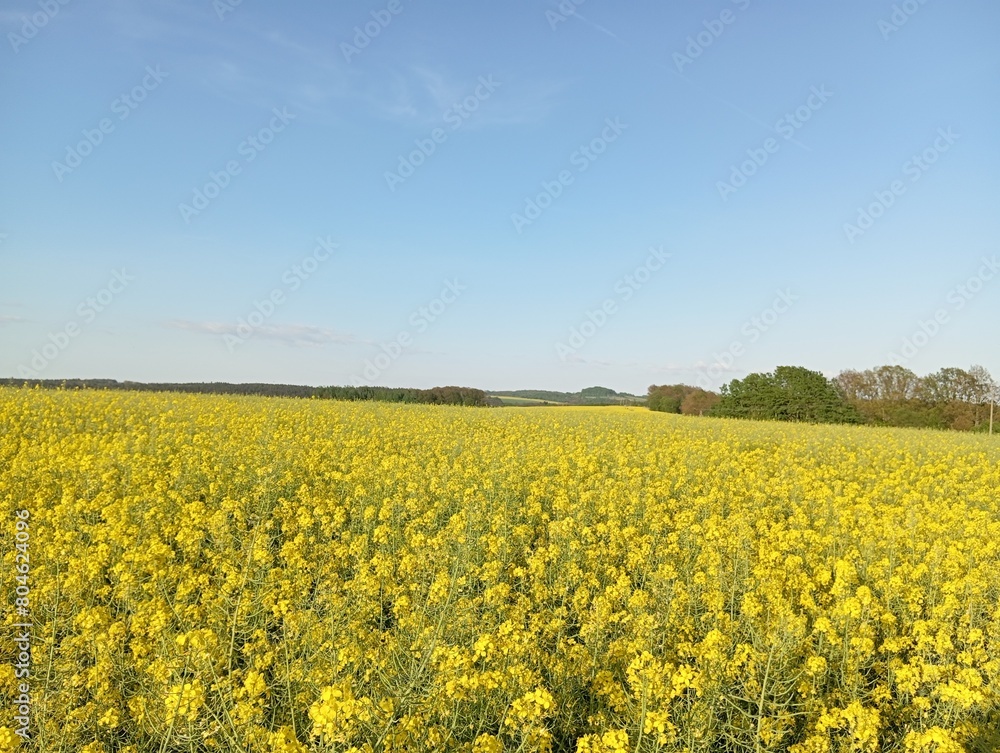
[
  {"x": 516, "y": 401},
  {"x": 249, "y": 574}
]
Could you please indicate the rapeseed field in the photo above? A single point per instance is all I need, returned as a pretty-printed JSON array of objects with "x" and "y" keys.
[{"x": 210, "y": 573}]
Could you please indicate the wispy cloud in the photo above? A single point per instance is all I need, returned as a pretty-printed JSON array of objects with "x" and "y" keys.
[
  {"x": 698, "y": 367},
  {"x": 598, "y": 27},
  {"x": 422, "y": 96},
  {"x": 325, "y": 85},
  {"x": 576, "y": 358},
  {"x": 298, "y": 335},
  {"x": 4, "y": 320}
]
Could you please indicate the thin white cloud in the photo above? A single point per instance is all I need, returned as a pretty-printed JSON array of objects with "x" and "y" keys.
[
  {"x": 442, "y": 92},
  {"x": 576, "y": 358},
  {"x": 326, "y": 85},
  {"x": 598, "y": 27},
  {"x": 422, "y": 96},
  {"x": 698, "y": 367},
  {"x": 701, "y": 365},
  {"x": 290, "y": 334}
]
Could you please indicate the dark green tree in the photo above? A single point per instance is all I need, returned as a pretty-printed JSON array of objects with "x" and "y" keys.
[{"x": 789, "y": 393}]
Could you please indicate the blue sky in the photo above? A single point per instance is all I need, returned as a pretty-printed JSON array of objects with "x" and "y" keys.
[{"x": 510, "y": 195}]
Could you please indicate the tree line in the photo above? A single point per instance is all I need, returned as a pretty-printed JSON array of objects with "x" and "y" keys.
[
  {"x": 434, "y": 396},
  {"x": 951, "y": 398},
  {"x": 208, "y": 388},
  {"x": 681, "y": 398}
]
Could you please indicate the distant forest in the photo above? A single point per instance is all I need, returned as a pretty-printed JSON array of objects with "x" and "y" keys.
[
  {"x": 211, "y": 388},
  {"x": 951, "y": 398},
  {"x": 435, "y": 395}
]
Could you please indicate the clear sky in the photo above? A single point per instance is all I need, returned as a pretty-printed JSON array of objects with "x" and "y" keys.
[{"x": 501, "y": 195}]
